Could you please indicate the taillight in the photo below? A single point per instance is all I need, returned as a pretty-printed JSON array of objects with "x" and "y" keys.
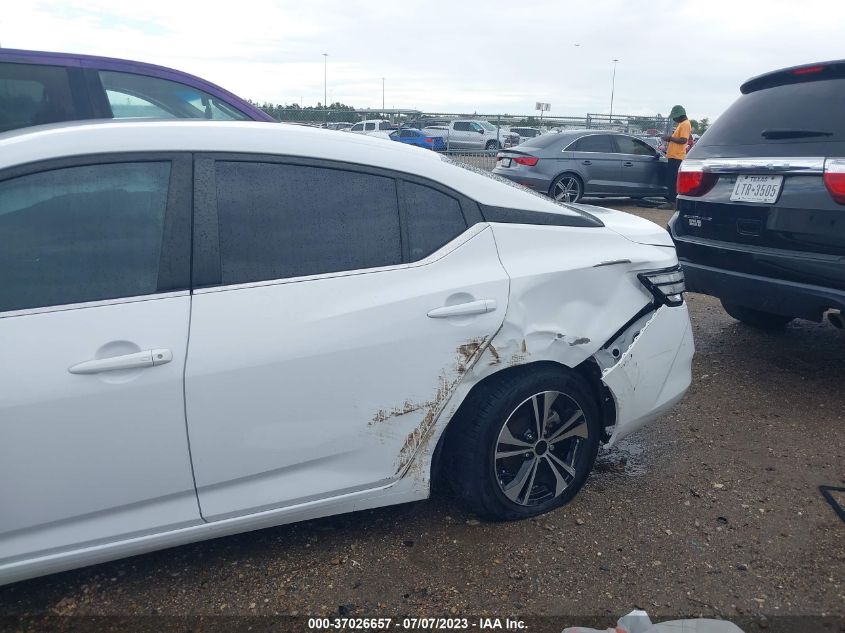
[
  {"x": 834, "y": 178},
  {"x": 807, "y": 70},
  {"x": 528, "y": 161},
  {"x": 693, "y": 180},
  {"x": 429, "y": 140}
]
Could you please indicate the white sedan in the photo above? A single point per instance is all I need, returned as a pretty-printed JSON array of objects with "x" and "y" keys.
[{"x": 213, "y": 327}]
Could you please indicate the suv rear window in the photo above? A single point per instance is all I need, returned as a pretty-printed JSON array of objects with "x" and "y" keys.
[{"x": 812, "y": 105}]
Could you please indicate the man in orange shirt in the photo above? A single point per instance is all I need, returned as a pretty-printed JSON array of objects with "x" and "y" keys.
[{"x": 676, "y": 150}]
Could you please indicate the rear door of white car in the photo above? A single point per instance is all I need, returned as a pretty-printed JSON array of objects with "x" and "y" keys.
[
  {"x": 94, "y": 311},
  {"x": 326, "y": 328}
]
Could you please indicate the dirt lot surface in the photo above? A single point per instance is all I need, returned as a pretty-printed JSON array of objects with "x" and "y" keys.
[{"x": 713, "y": 510}]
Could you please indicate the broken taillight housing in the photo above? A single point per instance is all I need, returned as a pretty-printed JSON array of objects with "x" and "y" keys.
[
  {"x": 693, "y": 180},
  {"x": 834, "y": 178},
  {"x": 666, "y": 285}
]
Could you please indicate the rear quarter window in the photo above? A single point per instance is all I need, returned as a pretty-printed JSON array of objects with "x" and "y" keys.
[{"x": 814, "y": 105}]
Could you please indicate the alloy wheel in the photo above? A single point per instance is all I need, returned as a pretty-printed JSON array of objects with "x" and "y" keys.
[
  {"x": 567, "y": 189},
  {"x": 538, "y": 449}
]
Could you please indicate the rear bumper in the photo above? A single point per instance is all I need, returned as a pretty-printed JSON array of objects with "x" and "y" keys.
[
  {"x": 654, "y": 373},
  {"x": 790, "y": 283},
  {"x": 540, "y": 185},
  {"x": 776, "y": 296}
]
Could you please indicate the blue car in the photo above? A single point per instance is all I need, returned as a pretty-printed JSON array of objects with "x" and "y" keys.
[{"x": 415, "y": 137}]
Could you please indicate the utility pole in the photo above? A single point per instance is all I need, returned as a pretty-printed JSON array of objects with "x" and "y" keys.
[
  {"x": 612, "y": 90},
  {"x": 325, "y": 86}
]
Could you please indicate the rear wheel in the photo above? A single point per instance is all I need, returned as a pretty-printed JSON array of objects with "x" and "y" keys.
[
  {"x": 492, "y": 145},
  {"x": 525, "y": 445},
  {"x": 566, "y": 188},
  {"x": 755, "y": 318}
]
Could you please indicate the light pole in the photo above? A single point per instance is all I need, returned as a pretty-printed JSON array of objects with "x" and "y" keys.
[
  {"x": 325, "y": 85},
  {"x": 382, "y": 95},
  {"x": 612, "y": 89}
]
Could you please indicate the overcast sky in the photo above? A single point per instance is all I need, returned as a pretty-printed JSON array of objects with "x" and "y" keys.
[{"x": 498, "y": 56}]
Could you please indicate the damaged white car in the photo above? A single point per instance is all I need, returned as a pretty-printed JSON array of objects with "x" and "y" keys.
[{"x": 214, "y": 327}]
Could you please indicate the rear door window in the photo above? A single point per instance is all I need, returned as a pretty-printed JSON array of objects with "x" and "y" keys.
[
  {"x": 600, "y": 143},
  {"x": 32, "y": 94},
  {"x": 137, "y": 96},
  {"x": 280, "y": 220},
  {"x": 370, "y": 126},
  {"x": 815, "y": 106}
]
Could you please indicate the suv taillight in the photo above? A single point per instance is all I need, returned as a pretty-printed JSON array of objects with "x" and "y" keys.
[
  {"x": 693, "y": 180},
  {"x": 834, "y": 178}
]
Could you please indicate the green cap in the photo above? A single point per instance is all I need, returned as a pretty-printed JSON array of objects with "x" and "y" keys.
[{"x": 677, "y": 110}]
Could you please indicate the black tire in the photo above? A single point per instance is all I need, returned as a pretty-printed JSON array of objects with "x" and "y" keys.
[
  {"x": 492, "y": 145},
  {"x": 566, "y": 182},
  {"x": 756, "y": 318},
  {"x": 481, "y": 470}
]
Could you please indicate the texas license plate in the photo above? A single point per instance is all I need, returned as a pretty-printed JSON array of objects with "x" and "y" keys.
[
  {"x": 505, "y": 162},
  {"x": 763, "y": 189}
]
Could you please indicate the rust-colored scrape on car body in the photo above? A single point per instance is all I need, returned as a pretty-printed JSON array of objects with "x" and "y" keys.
[
  {"x": 466, "y": 355},
  {"x": 408, "y": 407}
]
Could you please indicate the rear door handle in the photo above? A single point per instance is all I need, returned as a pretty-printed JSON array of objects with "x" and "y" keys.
[
  {"x": 627, "y": 163},
  {"x": 482, "y": 306},
  {"x": 137, "y": 360},
  {"x": 586, "y": 162}
]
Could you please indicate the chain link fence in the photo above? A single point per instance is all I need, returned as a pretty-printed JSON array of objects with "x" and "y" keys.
[{"x": 474, "y": 138}]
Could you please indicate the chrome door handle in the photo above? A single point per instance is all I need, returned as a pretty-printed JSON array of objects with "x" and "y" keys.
[
  {"x": 137, "y": 360},
  {"x": 482, "y": 306}
]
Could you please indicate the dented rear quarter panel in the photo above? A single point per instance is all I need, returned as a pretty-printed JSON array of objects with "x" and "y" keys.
[{"x": 586, "y": 290}]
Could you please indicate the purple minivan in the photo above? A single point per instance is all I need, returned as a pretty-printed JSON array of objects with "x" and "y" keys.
[{"x": 38, "y": 87}]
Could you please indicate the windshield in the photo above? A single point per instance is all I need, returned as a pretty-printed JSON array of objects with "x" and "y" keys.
[{"x": 488, "y": 126}]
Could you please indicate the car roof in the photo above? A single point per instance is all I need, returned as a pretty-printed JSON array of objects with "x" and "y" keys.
[
  {"x": 62, "y": 140},
  {"x": 73, "y": 60}
]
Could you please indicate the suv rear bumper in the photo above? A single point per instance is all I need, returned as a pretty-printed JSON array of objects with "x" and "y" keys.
[
  {"x": 766, "y": 294},
  {"x": 787, "y": 282}
]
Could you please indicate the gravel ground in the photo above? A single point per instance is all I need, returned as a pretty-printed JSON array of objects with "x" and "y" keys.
[{"x": 713, "y": 510}]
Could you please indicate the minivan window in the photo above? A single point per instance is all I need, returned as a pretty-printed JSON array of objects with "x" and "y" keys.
[
  {"x": 280, "y": 220},
  {"x": 81, "y": 234},
  {"x": 811, "y": 105},
  {"x": 432, "y": 217},
  {"x": 134, "y": 96},
  {"x": 31, "y": 94}
]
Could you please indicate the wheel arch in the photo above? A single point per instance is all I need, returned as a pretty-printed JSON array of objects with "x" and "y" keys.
[{"x": 588, "y": 370}]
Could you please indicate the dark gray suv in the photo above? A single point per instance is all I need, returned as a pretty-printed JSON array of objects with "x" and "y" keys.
[
  {"x": 573, "y": 164},
  {"x": 760, "y": 221}
]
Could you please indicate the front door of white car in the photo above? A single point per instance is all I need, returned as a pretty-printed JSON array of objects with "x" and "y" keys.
[
  {"x": 94, "y": 316},
  {"x": 342, "y": 306}
]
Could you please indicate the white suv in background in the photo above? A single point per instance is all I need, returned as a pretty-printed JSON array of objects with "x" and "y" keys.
[{"x": 325, "y": 318}]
